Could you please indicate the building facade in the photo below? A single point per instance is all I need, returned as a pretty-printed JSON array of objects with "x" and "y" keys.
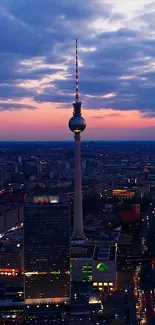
[
  {"x": 46, "y": 250},
  {"x": 95, "y": 265},
  {"x": 10, "y": 216}
]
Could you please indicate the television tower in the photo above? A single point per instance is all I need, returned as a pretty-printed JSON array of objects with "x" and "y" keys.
[{"x": 77, "y": 124}]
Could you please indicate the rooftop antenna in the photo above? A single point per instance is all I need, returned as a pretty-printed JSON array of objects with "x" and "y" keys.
[{"x": 77, "y": 76}]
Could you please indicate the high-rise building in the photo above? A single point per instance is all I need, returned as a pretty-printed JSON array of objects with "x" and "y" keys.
[
  {"x": 46, "y": 249},
  {"x": 10, "y": 216},
  {"x": 146, "y": 188},
  {"x": 2, "y": 174},
  {"x": 77, "y": 125}
]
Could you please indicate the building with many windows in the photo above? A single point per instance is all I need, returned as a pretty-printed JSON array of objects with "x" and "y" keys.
[
  {"x": 46, "y": 249},
  {"x": 10, "y": 216}
]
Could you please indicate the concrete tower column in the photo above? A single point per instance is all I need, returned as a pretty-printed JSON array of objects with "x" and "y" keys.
[{"x": 78, "y": 232}]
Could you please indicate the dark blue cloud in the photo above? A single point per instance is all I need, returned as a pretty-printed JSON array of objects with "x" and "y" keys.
[
  {"x": 51, "y": 96},
  {"x": 40, "y": 30},
  {"x": 15, "y": 92},
  {"x": 120, "y": 33},
  {"x": 38, "y": 12},
  {"x": 108, "y": 115},
  {"x": 33, "y": 31},
  {"x": 11, "y": 71},
  {"x": 15, "y": 106}
]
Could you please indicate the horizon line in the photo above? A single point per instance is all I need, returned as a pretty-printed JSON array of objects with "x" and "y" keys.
[{"x": 34, "y": 141}]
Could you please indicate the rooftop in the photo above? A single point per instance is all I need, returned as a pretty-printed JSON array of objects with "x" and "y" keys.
[
  {"x": 82, "y": 251},
  {"x": 46, "y": 198},
  {"x": 130, "y": 216},
  {"x": 94, "y": 252},
  {"x": 103, "y": 253}
]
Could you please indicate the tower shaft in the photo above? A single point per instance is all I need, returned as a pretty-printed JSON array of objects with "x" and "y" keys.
[
  {"x": 77, "y": 124},
  {"x": 78, "y": 232}
]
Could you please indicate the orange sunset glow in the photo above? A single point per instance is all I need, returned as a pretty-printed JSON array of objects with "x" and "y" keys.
[{"x": 49, "y": 122}]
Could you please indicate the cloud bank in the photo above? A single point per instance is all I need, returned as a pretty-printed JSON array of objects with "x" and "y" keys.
[{"x": 116, "y": 49}]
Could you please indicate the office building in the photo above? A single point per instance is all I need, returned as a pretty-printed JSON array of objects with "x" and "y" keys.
[
  {"x": 10, "y": 216},
  {"x": 46, "y": 249},
  {"x": 94, "y": 265}
]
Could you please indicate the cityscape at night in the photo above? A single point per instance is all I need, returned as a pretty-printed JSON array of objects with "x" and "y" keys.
[
  {"x": 77, "y": 162},
  {"x": 51, "y": 270}
]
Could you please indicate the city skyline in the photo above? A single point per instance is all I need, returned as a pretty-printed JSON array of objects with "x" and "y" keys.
[{"x": 116, "y": 69}]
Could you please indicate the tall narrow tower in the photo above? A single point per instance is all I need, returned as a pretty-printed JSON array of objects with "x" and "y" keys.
[{"x": 77, "y": 125}]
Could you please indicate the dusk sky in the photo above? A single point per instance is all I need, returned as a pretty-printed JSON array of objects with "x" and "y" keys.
[{"x": 116, "y": 41}]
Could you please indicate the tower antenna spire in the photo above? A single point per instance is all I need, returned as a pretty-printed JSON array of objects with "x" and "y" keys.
[{"x": 77, "y": 75}]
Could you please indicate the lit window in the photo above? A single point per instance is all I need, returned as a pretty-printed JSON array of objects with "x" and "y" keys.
[
  {"x": 110, "y": 284},
  {"x": 100, "y": 284},
  {"x": 95, "y": 284},
  {"x": 105, "y": 284}
]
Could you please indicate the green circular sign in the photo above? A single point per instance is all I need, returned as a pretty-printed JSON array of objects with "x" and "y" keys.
[{"x": 102, "y": 267}]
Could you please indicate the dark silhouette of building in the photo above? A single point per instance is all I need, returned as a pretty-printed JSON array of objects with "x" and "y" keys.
[{"x": 46, "y": 249}]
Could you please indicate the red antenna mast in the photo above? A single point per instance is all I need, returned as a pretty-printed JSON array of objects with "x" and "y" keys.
[{"x": 77, "y": 76}]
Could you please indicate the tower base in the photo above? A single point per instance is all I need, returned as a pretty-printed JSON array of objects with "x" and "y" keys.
[
  {"x": 78, "y": 241},
  {"x": 78, "y": 238}
]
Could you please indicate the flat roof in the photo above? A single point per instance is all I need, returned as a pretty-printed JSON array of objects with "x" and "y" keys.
[
  {"x": 95, "y": 252},
  {"x": 103, "y": 253},
  {"x": 82, "y": 251}
]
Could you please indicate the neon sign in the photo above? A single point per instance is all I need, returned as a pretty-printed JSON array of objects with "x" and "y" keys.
[{"x": 102, "y": 267}]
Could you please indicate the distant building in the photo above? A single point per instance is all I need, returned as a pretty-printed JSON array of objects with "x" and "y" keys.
[
  {"x": 40, "y": 169},
  {"x": 131, "y": 216},
  {"x": 146, "y": 188},
  {"x": 136, "y": 208},
  {"x": 46, "y": 249},
  {"x": 10, "y": 216},
  {"x": 123, "y": 193},
  {"x": 11, "y": 260},
  {"x": 132, "y": 180},
  {"x": 2, "y": 174}
]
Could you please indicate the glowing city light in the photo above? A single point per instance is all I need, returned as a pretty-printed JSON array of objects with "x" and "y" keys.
[{"x": 102, "y": 267}]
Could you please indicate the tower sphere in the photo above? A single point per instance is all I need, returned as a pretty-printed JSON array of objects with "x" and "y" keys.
[{"x": 77, "y": 124}]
